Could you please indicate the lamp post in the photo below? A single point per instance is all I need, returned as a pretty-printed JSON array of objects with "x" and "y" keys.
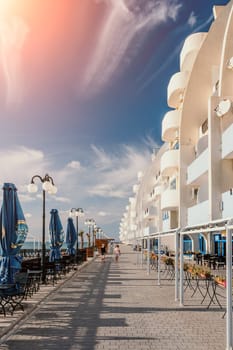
[
  {"x": 90, "y": 223},
  {"x": 47, "y": 186},
  {"x": 98, "y": 230},
  {"x": 94, "y": 234},
  {"x": 78, "y": 212}
]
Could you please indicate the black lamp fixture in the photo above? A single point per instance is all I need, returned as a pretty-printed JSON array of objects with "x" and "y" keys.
[
  {"x": 49, "y": 187},
  {"x": 77, "y": 212}
]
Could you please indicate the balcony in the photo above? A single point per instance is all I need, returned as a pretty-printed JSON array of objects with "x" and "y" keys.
[
  {"x": 150, "y": 230},
  {"x": 150, "y": 213},
  {"x": 135, "y": 188},
  {"x": 227, "y": 200},
  {"x": 176, "y": 88},
  {"x": 198, "y": 214},
  {"x": 227, "y": 143},
  {"x": 170, "y": 125},
  {"x": 202, "y": 144},
  {"x": 197, "y": 168},
  {"x": 169, "y": 162},
  {"x": 157, "y": 191},
  {"x": 190, "y": 50},
  {"x": 169, "y": 200}
]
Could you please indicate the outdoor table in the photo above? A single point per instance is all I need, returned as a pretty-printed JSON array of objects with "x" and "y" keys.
[
  {"x": 197, "y": 287},
  {"x": 208, "y": 290},
  {"x": 214, "y": 296}
]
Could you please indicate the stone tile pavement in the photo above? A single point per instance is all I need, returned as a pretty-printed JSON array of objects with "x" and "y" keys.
[{"x": 108, "y": 306}]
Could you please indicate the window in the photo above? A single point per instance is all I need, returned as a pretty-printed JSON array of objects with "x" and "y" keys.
[
  {"x": 195, "y": 191},
  {"x": 202, "y": 244},
  {"x": 187, "y": 244},
  {"x": 165, "y": 215}
]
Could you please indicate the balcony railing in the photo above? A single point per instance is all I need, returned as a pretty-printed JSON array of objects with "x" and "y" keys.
[
  {"x": 176, "y": 87},
  {"x": 150, "y": 230},
  {"x": 197, "y": 168},
  {"x": 190, "y": 50},
  {"x": 227, "y": 204},
  {"x": 170, "y": 125},
  {"x": 227, "y": 143},
  {"x": 198, "y": 214},
  {"x": 169, "y": 200},
  {"x": 150, "y": 212},
  {"x": 169, "y": 162}
]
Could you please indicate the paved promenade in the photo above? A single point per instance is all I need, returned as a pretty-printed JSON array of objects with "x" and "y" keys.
[{"x": 112, "y": 306}]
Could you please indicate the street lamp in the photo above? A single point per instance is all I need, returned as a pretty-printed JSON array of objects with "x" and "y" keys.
[
  {"x": 94, "y": 234},
  {"x": 78, "y": 212},
  {"x": 90, "y": 223},
  {"x": 47, "y": 186},
  {"x": 99, "y": 231}
]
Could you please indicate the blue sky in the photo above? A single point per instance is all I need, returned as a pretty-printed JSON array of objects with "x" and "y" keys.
[{"x": 83, "y": 87}]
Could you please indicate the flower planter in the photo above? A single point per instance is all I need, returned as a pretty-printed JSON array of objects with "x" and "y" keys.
[{"x": 221, "y": 283}]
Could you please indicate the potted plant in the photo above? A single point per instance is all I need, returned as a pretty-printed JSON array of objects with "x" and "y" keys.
[{"x": 221, "y": 280}]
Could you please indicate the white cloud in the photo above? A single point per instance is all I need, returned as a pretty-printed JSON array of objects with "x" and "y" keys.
[
  {"x": 74, "y": 164},
  {"x": 123, "y": 24},
  {"x": 102, "y": 213},
  {"x": 117, "y": 180},
  {"x": 19, "y": 164},
  {"x": 101, "y": 160},
  {"x": 24, "y": 198},
  {"x": 101, "y": 189},
  {"x": 105, "y": 190},
  {"x": 192, "y": 20},
  {"x": 62, "y": 199}
]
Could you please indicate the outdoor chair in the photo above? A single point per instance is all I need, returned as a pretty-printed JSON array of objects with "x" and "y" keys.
[
  {"x": 206, "y": 259},
  {"x": 34, "y": 281},
  {"x": 52, "y": 272},
  {"x": 12, "y": 296},
  {"x": 220, "y": 262}
]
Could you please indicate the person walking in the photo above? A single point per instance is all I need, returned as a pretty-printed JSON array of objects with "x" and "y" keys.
[
  {"x": 117, "y": 252},
  {"x": 103, "y": 252}
]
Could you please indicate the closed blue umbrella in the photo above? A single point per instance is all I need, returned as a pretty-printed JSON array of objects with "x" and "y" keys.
[
  {"x": 13, "y": 232},
  {"x": 56, "y": 234},
  {"x": 71, "y": 236}
]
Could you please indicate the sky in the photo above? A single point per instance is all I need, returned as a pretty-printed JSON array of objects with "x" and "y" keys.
[{"x": 83, "y": 91}]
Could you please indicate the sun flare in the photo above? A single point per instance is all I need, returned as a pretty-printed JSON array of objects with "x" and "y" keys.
[{"x": 6, "y": 6}]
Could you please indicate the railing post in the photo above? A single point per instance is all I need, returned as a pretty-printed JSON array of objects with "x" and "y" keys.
[
  {"x": 159, "y": 260},
  {"x": 181, "y": 269},
  {"x": 176, "y": 265},
  {"x": 148, "y": 255},
  {"x": 229, "y": 285},
  {"x": 142, "y": 249}
]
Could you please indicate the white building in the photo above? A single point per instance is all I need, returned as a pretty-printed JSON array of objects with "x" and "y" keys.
[{"x": 190, "y": 179}]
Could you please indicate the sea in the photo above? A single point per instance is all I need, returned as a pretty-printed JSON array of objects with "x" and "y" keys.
[
  {"x": 36, "y": 245},
  {"x": 31, "y": 245}
]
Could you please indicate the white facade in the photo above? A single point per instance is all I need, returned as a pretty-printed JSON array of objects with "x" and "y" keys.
[{"x": 190, "y": 179}]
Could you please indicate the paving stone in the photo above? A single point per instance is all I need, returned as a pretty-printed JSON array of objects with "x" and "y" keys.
[{"x": 108, "y": 306}]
